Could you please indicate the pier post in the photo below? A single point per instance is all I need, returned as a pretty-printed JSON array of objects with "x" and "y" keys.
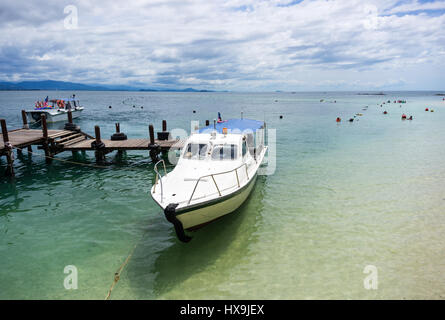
[
  {"x": 44, "y": 126},
  {"x": 119, "y": 136},
  {"x": 9, "y": 150},
  {"x": 118, "y": 130},
  {"x": 207, "y": 123},
  {"x": 154, "y": 148},
  {"x": 48, "y": 154},
  {"x": 70, "y": 126},
  {"x": 26, "y": 126},
  {"x": 151, "y": 131},
  {"x": 97, "y": 134},
  {"x": 164, "y": 134},
  {"x": 25, "y": 120},
  {"x": 99, "y": 145},
  {"x": 4, "y": 131}
]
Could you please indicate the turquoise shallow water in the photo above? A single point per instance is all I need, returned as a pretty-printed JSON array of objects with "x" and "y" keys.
[{"x": 343, "y": 196}]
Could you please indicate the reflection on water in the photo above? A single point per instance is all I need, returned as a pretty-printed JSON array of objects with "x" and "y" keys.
[{"x": 158, "y": 268}]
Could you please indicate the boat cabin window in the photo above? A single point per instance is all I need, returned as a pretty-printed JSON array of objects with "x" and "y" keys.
[
  {"x": 224, "y": 152},
  {"x": 195, "y": 151}
]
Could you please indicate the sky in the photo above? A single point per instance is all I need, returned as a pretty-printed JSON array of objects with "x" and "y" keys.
[{"x": 237, "y": 45}]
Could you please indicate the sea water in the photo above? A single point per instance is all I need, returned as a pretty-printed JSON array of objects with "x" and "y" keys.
[{"x": 344, "y": 196}]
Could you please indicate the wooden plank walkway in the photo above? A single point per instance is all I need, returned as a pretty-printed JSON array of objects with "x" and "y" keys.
[
  {"x": 130, "y": 144},
  {"x": 24, "y": 137}
]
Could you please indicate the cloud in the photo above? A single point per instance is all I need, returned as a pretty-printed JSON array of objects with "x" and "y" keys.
[
  {"x": 416, "y": 6},
  {"x": 234, "y": 45}
]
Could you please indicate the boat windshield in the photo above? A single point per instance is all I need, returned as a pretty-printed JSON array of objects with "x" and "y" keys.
[
  {"x": 224, "y": 152},
  {"x": 196, "y": 151}
]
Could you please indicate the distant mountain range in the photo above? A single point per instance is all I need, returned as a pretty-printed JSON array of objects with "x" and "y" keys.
[{"x": 62, "y": 85}]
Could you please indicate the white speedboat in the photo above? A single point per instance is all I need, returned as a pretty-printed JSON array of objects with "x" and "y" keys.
[
  {"x": 55, "y": 110},
  {"x": 215, "y": 174}
]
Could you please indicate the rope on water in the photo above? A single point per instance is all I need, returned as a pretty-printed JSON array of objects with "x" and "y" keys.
[
  {"x": 67, "y": 161},
  {"x": 117, "y": 274}
]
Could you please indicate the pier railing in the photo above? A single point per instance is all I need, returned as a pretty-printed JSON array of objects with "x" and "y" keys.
[{"x": 214, "y": 181}]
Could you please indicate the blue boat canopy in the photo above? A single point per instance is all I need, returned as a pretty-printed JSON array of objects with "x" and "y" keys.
[{"x": 234, "y": 125}]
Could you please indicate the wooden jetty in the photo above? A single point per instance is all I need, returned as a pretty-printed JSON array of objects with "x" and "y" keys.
[{"x": 71, "y": 138}]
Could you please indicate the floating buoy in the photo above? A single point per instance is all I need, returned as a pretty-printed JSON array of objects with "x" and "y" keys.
[
  {"x": 426, "y": 109},
  {"x": 338, "y": 119},
  {"x": 384, "y": 112},
  {"x": 194, "y": 111},
  {"x": 432, "y": 110},
  {"x": 351, "y": 119},
  {"x": 403, "y": 116},
  {"x": 281, "y": 117},
  {"x": 142, "y": 107},
  {"x": 109, "y": 107},
  {"x": 134, "y": 106}
]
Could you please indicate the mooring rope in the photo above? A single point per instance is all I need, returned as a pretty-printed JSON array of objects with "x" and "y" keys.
[
  {"x": 63, "y": 160},
  {"x": 35, "y": 123},
  {"x": 117, "y": 274}
]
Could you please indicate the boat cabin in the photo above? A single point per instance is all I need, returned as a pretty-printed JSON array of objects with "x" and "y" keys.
[
  {"x": 227, "y": 140},
  {"x": 226, "y": 151}
]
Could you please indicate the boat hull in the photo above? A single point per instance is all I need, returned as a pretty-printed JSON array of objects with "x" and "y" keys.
[
  {"x": 193, "y": 217},
  {"x": 34, "y": 116}
]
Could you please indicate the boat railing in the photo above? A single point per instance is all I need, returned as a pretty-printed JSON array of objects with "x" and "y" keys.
[
  {"x": 158, "y": 177},
  {"x": 214, "y": 181}
]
